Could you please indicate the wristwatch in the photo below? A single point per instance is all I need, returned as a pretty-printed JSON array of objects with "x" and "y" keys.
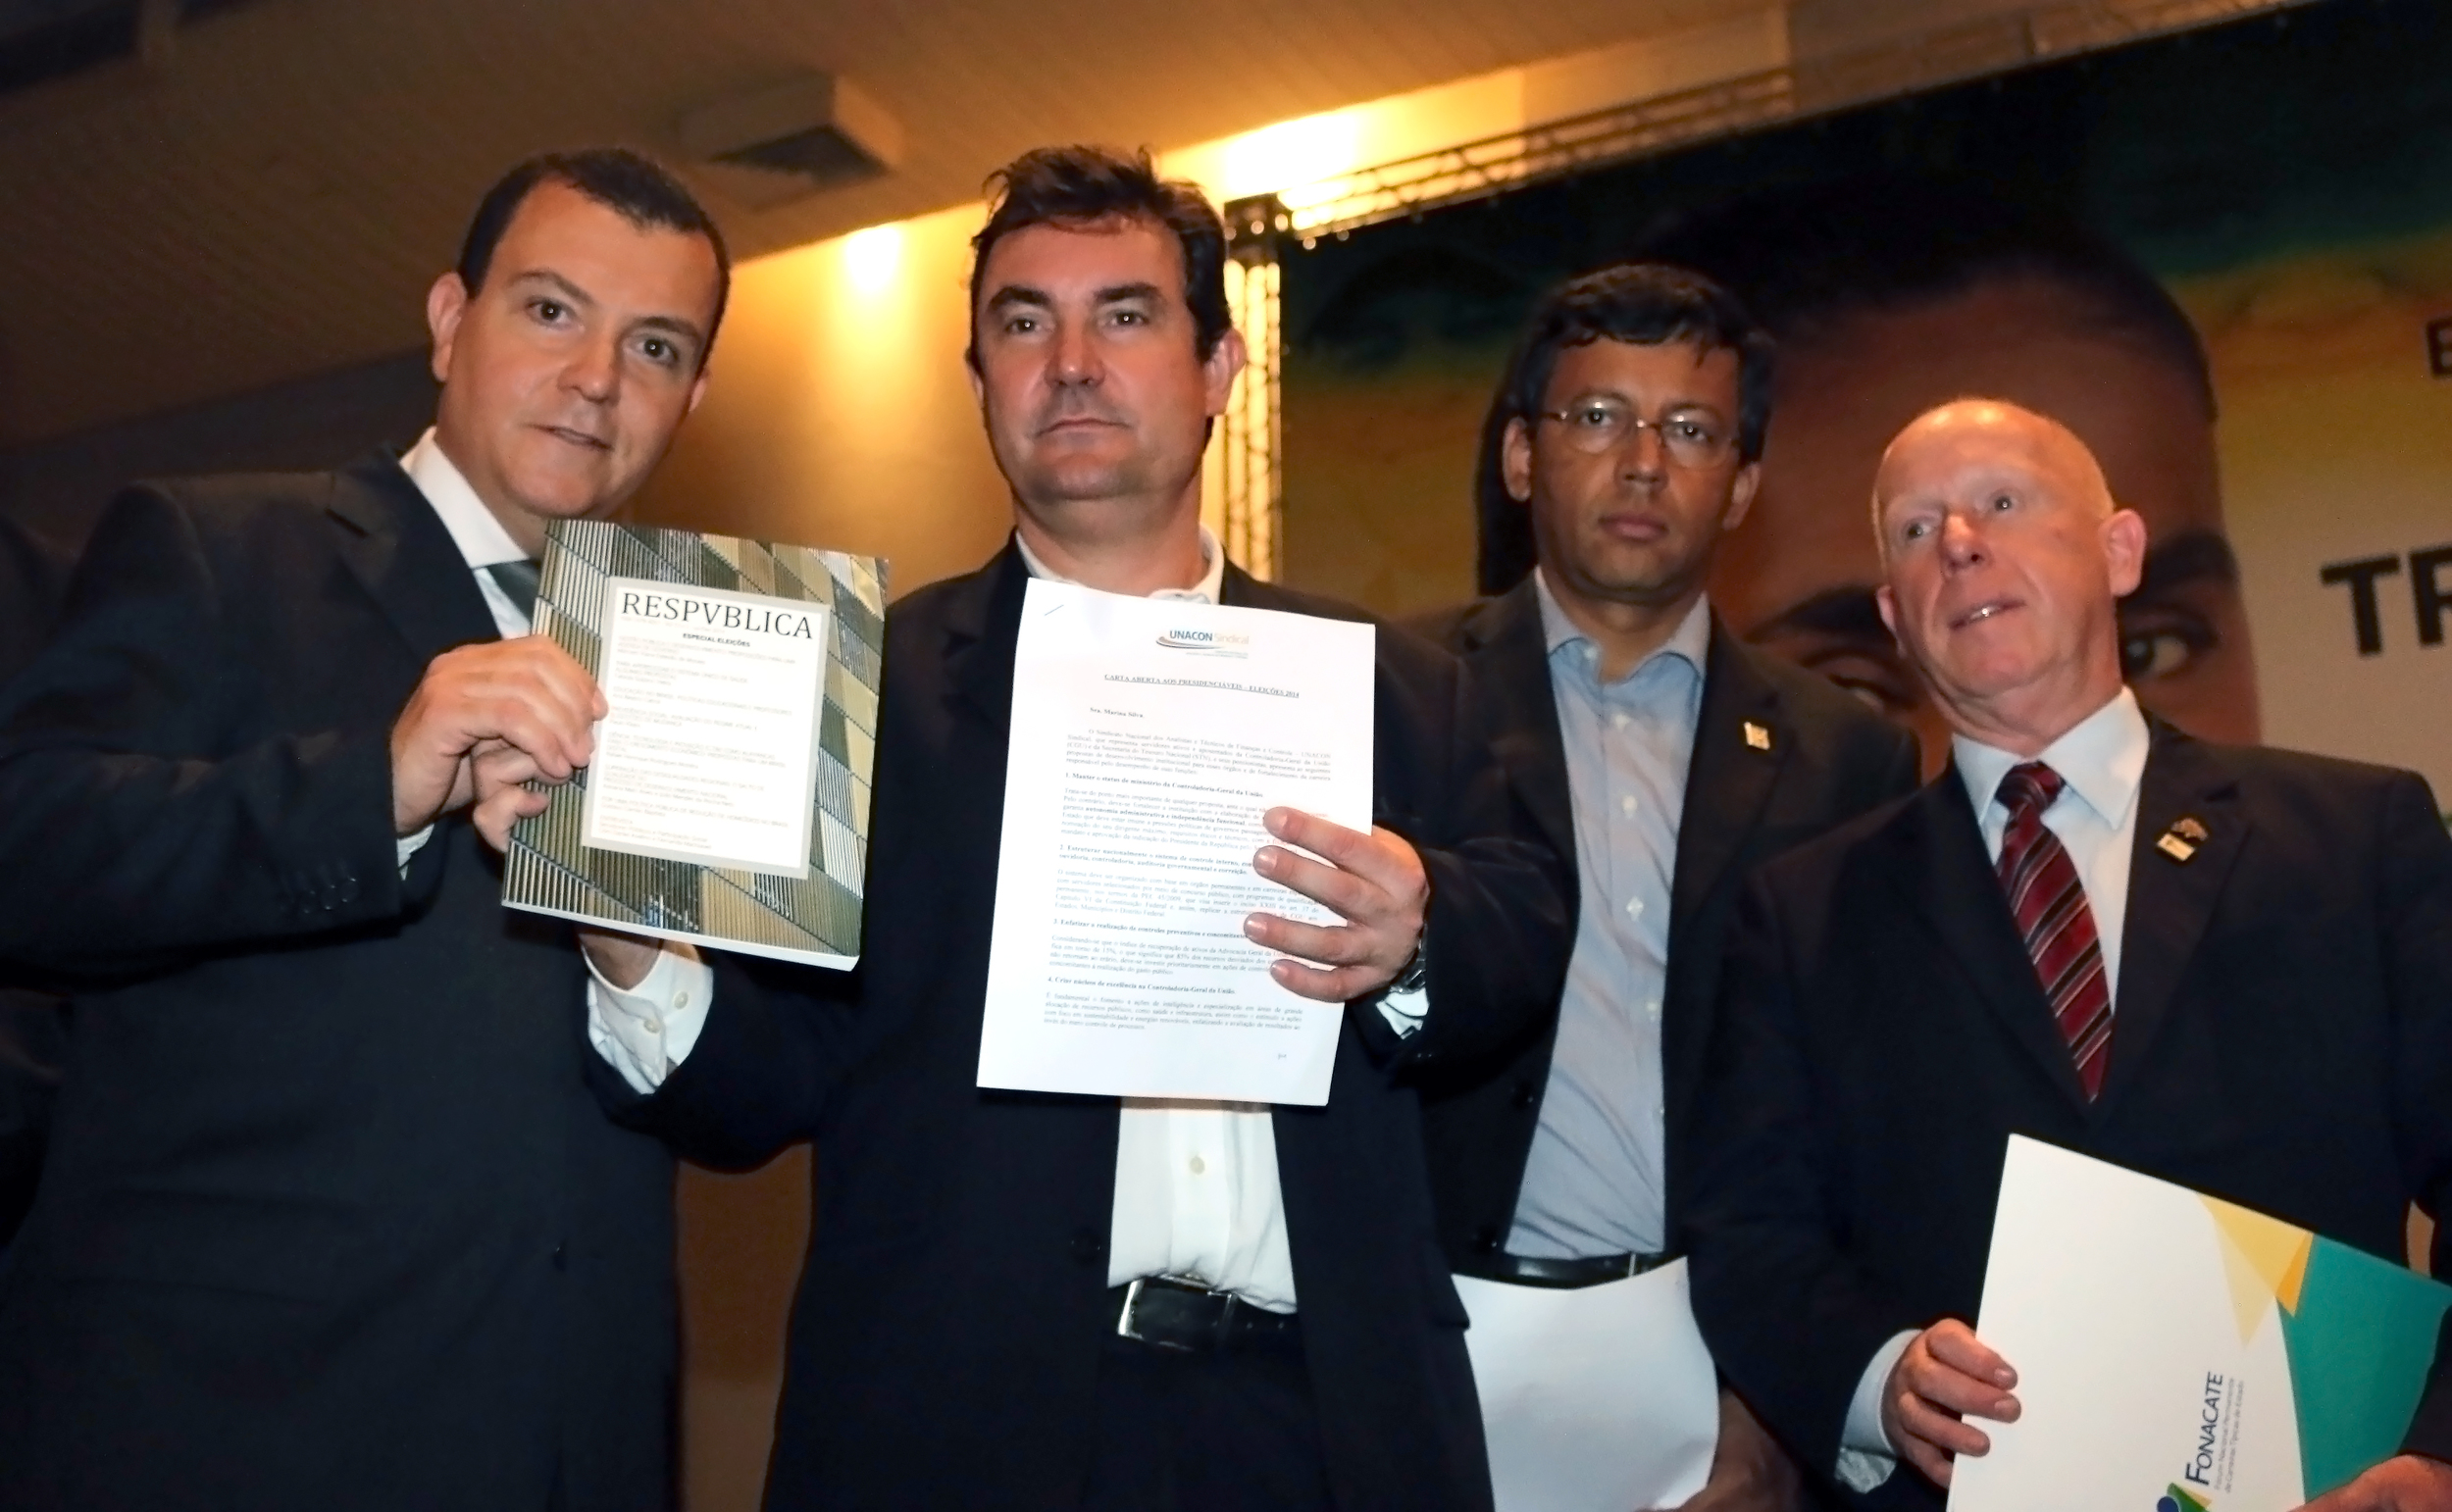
[{"x": 1416, "y": 972}]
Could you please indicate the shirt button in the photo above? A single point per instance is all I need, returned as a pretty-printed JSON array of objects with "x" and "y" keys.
[
  {"x": 1200, "y": 1167},
  {"x": 1634, "y": 908},
  {"x": 681, "y": 1000},
  {"x": 1626, "y": 806},
  {"x": 1654, "y": 1009},
  {"x": 1618, "y": 719},
  {"x": 655, "y": 1026}
]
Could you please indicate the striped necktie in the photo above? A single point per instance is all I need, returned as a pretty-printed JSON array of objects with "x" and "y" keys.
[
  {"x": 518, "y": 583},
  {"x": 2055, "y": 921}
]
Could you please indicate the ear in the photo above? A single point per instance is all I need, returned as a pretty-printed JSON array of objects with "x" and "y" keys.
[
  {"x": 1741, "y": 495},
  {"x": 1217, "y": 373},
  {"x": 698, "y": 391},
  {"x": 1515, "y": 460},
  {"x": 2124, "y": 550},
  {"x": 446, "y": 303},
  {"x": 1889, "y": 608}
]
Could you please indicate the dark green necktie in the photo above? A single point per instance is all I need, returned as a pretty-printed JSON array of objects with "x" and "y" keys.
[{"x": 518, "y": 582}]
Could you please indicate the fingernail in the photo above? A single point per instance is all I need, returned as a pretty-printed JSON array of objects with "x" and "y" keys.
[
  {"x": 2006, "y": 1408},
  {"x": 1251, "y": 926},
  {"x": 1277, "y": 818},
  {"x": 2005, "y": 1377},
  {"x": 1265, "y": 861}
]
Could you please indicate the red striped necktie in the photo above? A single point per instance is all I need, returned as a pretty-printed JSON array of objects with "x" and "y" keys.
[{"x": 2053, "y": 920}]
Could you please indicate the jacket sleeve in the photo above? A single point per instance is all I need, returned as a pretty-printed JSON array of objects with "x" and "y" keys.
[
  {"x": 1791, "y": 1321},
  {"x": 1498, "y": 930},
  {"x": 2417, "y": 921},
  {"x": 128, "y": 831}
]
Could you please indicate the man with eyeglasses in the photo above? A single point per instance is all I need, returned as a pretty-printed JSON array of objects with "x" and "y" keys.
[{"x": 1660, "y": 751}]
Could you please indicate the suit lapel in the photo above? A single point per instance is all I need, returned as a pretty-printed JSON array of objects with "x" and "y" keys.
[
  {"x": 1504, "y": 649},
  {"x": 1938, "y": 864},
  {"x": 397, "y": 548},
  {"x": 2171, "y": 900},
  {"x": 1740, "y": 743},
  {"x": 982, "y": 627}
]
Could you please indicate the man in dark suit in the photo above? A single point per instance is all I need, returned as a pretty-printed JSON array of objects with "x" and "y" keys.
[
  {"x": 1664, "y": 754},
  {"x": 2225, "y": 966},
  {"x": 1022, "y": 1300},
  {"x": 329, "y": 1218}
]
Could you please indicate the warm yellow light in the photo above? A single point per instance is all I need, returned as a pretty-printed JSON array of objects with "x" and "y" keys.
[
  {"x": 1292, "y": 152},
  {"x": 872, "y": 257}
]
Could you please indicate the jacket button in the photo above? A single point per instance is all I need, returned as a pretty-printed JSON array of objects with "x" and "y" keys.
[
  {"x": 1089, "y": 1246},
  {"x": 1524, "y": 1094},
  {"x": 1486, "y": 1238},
  {"x": 561, "y": 1258}
]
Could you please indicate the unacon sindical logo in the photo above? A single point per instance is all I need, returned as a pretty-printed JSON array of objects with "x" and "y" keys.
[{"x": 2177, "y": 1499}]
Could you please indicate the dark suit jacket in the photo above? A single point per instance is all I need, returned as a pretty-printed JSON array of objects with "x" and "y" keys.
[
  {"x": 946, "y": 1341},
  {"x": 1829, "y": 759},
  {"x": 331, "y": 1218},
  {"x": 2283, "y": 1041}
]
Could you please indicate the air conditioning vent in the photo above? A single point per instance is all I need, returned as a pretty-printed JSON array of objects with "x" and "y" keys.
[{"x": 792, "y": 141}]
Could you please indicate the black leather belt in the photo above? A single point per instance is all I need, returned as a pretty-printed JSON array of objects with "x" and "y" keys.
[
  {"x": 1177, "y": 1315},
  {"x": 1525, "y": 1271}
]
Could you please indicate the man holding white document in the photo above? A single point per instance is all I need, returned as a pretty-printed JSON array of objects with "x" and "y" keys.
[
  {"x": 2225, "y": 967},
  {"x": 1038, "y": 1278}
]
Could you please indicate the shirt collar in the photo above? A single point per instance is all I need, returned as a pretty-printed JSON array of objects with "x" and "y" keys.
[
  {"x": 481, "y": 537},
  {"x": 2102, "y": 759},
  {"x": 1207, "y": 591},
  {"x": 1690, "y": 641}
]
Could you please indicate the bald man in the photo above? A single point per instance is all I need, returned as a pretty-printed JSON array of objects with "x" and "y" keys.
[{"x": 2250, "y": 954}]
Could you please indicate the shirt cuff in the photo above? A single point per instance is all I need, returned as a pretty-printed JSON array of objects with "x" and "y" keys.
[
  {"x": 1865, "y": 1455},
  {"x": 411, "y": 844},
  {"x": 1404, "y": 1011},
  {"x": 645, "y": 1030}
]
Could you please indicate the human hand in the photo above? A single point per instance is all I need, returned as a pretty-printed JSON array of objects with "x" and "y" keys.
[
  {"x": 2405, "y": 1482},
  {"x": 1750, "y": 1471},
  {"x": 1945, "y": 1375},
  {"x": 1374, "y": 881},
  {"x": 622, "y": 960},
  {"x": 526, "y": 693},
  {"x": 501, "y": 774}
]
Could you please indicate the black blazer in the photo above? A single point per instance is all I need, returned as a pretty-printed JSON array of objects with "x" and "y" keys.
[
  {"x": 2283, "y": 1041},
  {"x": 331, "y": 1218},
  {"x": 1829, "y": 759},
  {"x": 31, "y": 1030},
  {"x": 946, "y": 1339}
]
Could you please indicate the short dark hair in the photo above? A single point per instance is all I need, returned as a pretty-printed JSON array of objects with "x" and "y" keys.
[
  {"x": 1645, "y": 303},
  {"x": 1804, "y": 257},
  {"x": 635, "y": 186},
  {"x": 1081, "y": 185}
]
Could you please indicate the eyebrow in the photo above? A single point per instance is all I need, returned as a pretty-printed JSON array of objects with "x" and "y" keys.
[
  {"x": 1848, "y": 611},
  {"x": 1038, "y": 298},
  {"x": 581, "y": 297},
  {"x": 2192, "y": 556}
]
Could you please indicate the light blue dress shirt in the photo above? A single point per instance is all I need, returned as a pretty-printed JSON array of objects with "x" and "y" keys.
[{"x": 1595, "y": 1183}]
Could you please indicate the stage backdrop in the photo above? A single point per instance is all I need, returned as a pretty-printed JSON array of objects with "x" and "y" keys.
[{"x": 2287, "y": 182}]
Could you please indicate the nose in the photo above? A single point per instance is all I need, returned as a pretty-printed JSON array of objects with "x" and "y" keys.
[
  {"x": 1074, "y": 361},
  {"x": 1644, "y": 457},
  {"x": 594, "y": 371},
  {"x": 1961, "y": 542}
]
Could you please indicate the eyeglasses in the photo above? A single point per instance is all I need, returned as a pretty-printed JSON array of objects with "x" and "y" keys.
[{"x": 1599, "y": 426}]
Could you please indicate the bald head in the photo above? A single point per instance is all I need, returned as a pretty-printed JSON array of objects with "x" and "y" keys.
[
  {"x": 1951, "y": 435},
  {"x": 2003, "y": 557}
]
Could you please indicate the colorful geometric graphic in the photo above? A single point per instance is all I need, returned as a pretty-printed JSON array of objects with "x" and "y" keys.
[{"x": 816, "y": 918}]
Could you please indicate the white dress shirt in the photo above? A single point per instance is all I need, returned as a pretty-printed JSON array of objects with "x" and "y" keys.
[
  {"x": 2101, "y": 762},
  {"x": 1196, "y": 1182},
  {"x": 483, "y": 543}
]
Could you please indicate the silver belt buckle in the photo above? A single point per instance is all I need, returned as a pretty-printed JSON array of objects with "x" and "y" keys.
[{"x": 1124, "y": 1319}]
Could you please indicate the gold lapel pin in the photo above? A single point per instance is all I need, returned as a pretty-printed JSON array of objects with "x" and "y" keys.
[
  {"x": 2181, "y": 839},
  {"x": 1759, "y": 736}
]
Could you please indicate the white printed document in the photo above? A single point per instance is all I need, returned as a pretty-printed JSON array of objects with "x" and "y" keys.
[
  {"x": 1149, "y": 738},
  {"x": 2182, "y": 1353},
  {"x": 709, "y": 754},
  {"x": 1595, "y": 1399}
]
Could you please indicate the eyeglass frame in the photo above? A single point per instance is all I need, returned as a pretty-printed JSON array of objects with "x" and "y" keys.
[{"x": 1726, "y": 441}]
